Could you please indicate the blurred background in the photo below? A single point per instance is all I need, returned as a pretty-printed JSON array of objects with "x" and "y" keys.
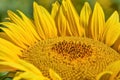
[
  {"x": 23, "y": 5},
  {"x": 26, "y": 7}
]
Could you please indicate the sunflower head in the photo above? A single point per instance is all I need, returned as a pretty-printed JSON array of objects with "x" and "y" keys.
[{"x": 61, "y": 45}]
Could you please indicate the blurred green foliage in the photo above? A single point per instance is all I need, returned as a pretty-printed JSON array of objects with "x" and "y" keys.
[
  {"x": 23, "y": 5},
  {"x": 4, "y": 76}
]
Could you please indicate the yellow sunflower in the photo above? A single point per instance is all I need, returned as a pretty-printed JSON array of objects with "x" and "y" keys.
[{"x": 61, "y": 45}]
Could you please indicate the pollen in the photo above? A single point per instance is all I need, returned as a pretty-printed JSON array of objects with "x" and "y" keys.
[{"x": 72, "y": 58}]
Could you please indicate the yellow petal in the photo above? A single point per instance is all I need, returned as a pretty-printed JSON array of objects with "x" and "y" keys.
[
  {"x": 112, "y": 34},
  {"x": 14, "y": 18},
  {"x": 30, "y": 26},
  {"x": 62, "y": 24},
  {"x": 21, "y": 65},
  {"x": 97, "y": 22},
  {"x": 4, "y": 56},
  {"x": 55, "y": 8},
  {"x": 115, "y": 69},
  {"x": 10, "y": 46},
  {"x": 7, "y": 54},
  {"x": 54, "y": 75},
  {"x": 17, "y": 31},
  {"x": 113, "y": 20},
  {"x": 5, "y": 36},
  {"x": 116, "y": 45},
  {"x": 112, "y": 72},
  {"x": 28, "y": 76},
  {"x": 85, "y": 16},
  {"x": 105, "y": 75},
  {"x": 16, "y": 40},
  {"x": 21, "y": 23},
  {"x": 4, "y": 68},
  {"x": 44, "y": 22},
  {"x": 37, "y": 22},
  {"x": 72, "y": 17},
  {"x": 60, "y": 20}
]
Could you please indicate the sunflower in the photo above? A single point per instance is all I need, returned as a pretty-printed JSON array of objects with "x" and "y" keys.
[{"x": 61, "y": 45}]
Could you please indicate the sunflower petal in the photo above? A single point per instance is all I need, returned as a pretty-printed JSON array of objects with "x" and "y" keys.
[
  {"x": 85, "y": 16},
  {"x": 60, "y": 20},
  {"x": 113, "y": 20},
  {"x": 23, "y": 66},
  {"x": 5, "y": 36},
  {"x": 44, "y": 22},
  {"x": 10, "y": 46},
  {"x": 28, "y": 76},
  {"x": 115, "y": 69},
  {"x": 62, "y": 24},
  {"x": 5, "y": 52},
  {"x": 112, "y": 72},
  {"x": 36, "y": 20},
  {"x": 8, "y": 52},
  {"x": 26, "y": 35},
  {"x": 97, "y": 22},
  {"x": 114, "y": 30},
  {"x": 17, "y": 31},
  {"x": 30, "y": 27},
  {"x": 16, "y": 40},
  {"x": 72, "y": 17},
  {"x": 116, "y": 45},
  {"x": 12, "y": 60},
  {"x": 4, "y": 68},
  {"x": 54, "y": 75},
  {"x": 55, "y": 8},
  {"x": 105, "y": 75},
  {"x": 18, "y": 21}
]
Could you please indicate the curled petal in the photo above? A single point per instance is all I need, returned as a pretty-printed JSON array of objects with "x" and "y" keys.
[
  {"x": 115, "y": 69},
  {"x": 105, "y": 75}
]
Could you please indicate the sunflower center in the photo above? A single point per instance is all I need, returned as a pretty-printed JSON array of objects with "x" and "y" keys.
[
  {"x": 72, "y": 50},
  {"x": 73, "y": 58}
]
